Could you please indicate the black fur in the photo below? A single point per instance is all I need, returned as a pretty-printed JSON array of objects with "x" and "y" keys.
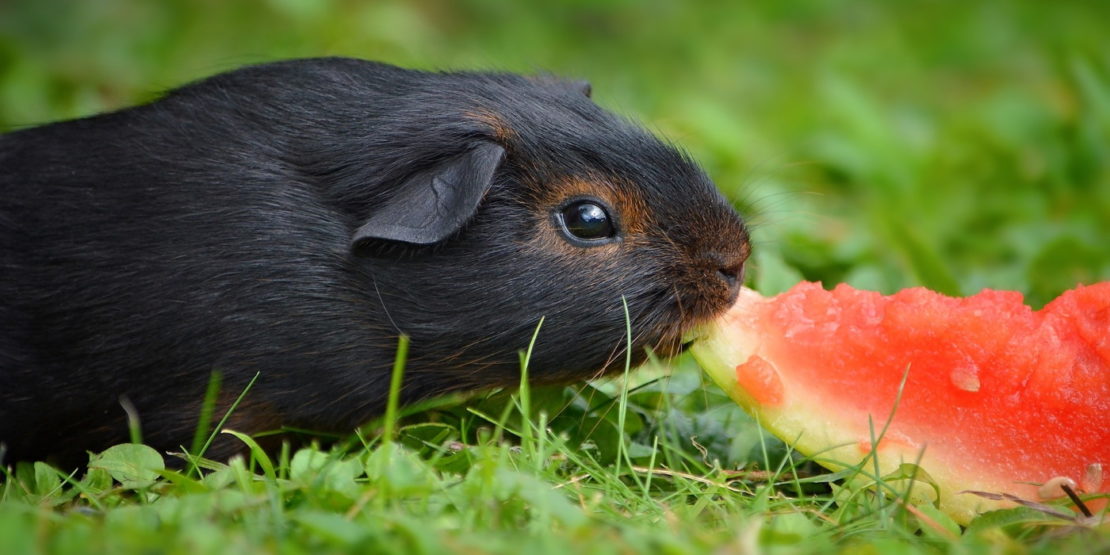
[{"x": 212, "y": 230}]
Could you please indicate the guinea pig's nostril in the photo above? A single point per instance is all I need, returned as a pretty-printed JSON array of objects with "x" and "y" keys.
[
  {"x": 729, "y": 269},
  {"x": 729, "y": 275}
]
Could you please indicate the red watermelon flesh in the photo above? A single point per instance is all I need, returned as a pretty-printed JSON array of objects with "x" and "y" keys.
[{"x": 997, "y": 397}]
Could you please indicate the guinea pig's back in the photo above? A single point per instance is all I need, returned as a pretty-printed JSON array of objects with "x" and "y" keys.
[{"x": 141, "y": 251}]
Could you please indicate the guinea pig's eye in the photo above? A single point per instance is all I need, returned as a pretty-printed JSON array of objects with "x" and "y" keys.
[{"x": 586, "y": 222}]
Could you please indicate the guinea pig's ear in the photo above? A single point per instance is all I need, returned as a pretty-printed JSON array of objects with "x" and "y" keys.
[{"x": 434, "y": 203}]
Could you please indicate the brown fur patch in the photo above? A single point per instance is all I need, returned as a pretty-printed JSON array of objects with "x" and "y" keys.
[
  {"x": 632, "y": 213},
  {"x": 497, "y": 126}
]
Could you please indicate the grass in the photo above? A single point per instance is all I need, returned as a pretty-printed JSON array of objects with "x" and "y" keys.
[
  {"x": 952, "y": 145},
  {"x": 473, "y": 480}
]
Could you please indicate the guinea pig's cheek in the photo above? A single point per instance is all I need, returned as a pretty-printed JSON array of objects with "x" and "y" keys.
[{"x": 547, "y": 244}]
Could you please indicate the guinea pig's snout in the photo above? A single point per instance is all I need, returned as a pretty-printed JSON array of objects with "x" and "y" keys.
[
  {"x": 729, "y": 270},
  {"x": 730, "y": 274},
  {"x": 708, "y": 283}
]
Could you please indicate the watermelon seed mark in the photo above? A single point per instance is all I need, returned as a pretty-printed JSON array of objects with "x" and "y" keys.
[
  {"x": 966, "y": 377},
  {"x": 1051, "y": 488},
  {"x": 1092, "y": 478}
]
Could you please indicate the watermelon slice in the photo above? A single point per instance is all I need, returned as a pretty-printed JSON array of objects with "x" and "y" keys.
[{"x": 997, "y": 397}]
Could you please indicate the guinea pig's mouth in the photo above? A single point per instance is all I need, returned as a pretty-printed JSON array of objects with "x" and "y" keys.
[
  {"x": 677, "y": 317},
  {"x": 685, "y": 345},
  {"x": 671, "y": 346}
]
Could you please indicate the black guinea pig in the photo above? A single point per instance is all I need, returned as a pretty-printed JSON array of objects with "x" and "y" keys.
[{"x": 293, "y": 219}]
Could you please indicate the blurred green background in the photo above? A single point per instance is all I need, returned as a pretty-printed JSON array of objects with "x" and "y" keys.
[{"x": 957, "y": 145}]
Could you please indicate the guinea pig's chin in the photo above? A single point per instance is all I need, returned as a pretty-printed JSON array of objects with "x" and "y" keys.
[
  {"x": 669, "y": 348},
  {"x": 669, "y": 343}
]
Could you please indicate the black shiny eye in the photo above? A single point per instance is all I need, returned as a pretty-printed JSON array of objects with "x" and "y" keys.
[{"x": 586, "y": 220}]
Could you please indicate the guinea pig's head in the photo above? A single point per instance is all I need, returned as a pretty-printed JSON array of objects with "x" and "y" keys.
[{"x": 548, "y": 208}]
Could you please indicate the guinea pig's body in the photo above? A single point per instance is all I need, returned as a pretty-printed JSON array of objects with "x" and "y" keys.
[{"x": 291, "y": 220}]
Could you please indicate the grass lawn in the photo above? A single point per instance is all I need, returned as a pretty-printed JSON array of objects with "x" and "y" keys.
[{"x": 956, "y": 145}]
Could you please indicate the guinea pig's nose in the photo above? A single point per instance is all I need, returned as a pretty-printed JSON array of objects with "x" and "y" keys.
[
  {"x": 728, "y": 271},
  {"x": 729, "y": 275}
]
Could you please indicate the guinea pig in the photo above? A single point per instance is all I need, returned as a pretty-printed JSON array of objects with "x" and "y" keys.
[{"x": 291, "y": 220}]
